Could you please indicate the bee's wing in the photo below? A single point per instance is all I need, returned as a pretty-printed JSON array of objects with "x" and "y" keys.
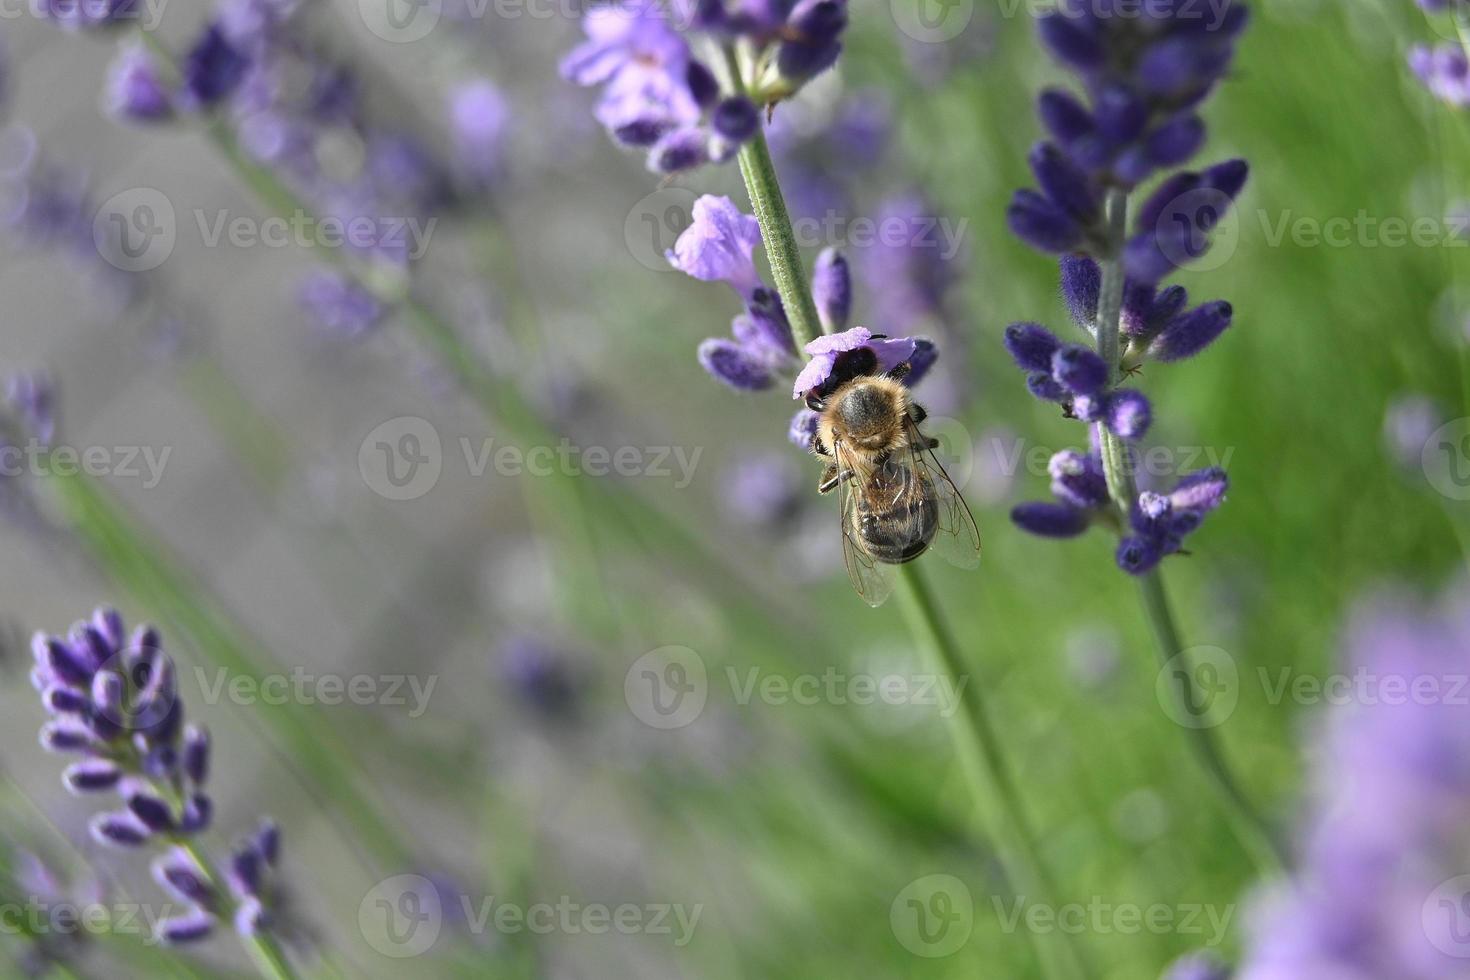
[
  {"x": 872, "y": 579},
  {"x": 957, "y": 539}
]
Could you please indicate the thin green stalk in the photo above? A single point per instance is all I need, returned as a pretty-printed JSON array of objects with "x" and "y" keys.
[
  {"x": 989, "y": 774},
  {"x": 1249, "y": 826},
  {"x": 974, "y": 736}
]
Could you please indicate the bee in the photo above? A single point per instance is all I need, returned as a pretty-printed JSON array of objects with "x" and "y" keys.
[{"x": 897, "y": 502}]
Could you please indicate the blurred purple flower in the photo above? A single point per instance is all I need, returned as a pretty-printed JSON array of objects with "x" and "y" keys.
[
  {"x": 1444, "y": 70},
  {"x": 762, "y": 489},
  {"x": 134, "y": 90},
  {"x": 31, "y": 397},
  {"x": 1379, "y": 888},
  {"x": 1407, "y": 427},
  {"x": 479, "y": 119},
  {"x": 540, "y": 674},
  {"x": 338, "y": 304}
]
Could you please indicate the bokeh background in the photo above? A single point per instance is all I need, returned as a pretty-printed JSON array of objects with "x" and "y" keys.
[{"x": 271, "y": 545}]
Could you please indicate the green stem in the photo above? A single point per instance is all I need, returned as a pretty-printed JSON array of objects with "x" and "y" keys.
[
  {"x": 1249, "y": 826},
  {"x": 974, "y": 736},
  {"x": 988, "y": 772},
  {"x": 777, "y": 234}
]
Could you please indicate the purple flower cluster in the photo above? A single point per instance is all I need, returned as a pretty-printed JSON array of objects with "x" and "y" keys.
[
  {"x": 31, "y": 400},
  {"x": 1157, "y": 524},
  {"x": 1444, "y": 70},
  {"x": 1145, "y": 71},
  {"x": 78, "y": 15},
  {"x": 1380, "y": 888},
  {"x": 114, "y": 701},
  {"x": 657, "y": 95},
  {"x": 1145, "y": 68},
  {"x": 719, "y": 246}
]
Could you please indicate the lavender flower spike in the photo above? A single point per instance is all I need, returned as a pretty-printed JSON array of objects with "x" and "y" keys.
[{"x": 114, "y": 700}]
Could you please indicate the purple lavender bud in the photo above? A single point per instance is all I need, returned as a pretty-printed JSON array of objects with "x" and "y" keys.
[
  {"x": 60, "y": 700},
  {"x": 1064, "y": 183},
  {"x": 813, "y": 30},
  {"x": 1071, "y": 43},
  {"x": 197, "y": 815},
  {"x": 1081, "y": 285},
  {"x": 91, "y": 776},
  {"x": 213, "y": 67},
  {"x": 736, "y": 119},
  {"x": 151, "y": 810},
  {"x": 1121, "y": 116},
  {"x": 770, "y": 330},
  {"x": 1170, "y": 190},
  {"x": 1066, "y": 119},
  {"x": 1202, "y": 490},
  {"x": 64, "y": 663},
  {"x": 180, "y": 930},
  {"x": 196, "y": 754},
  {"x": 1128, "y": 413},
  {"x": 1176, "y": 141},
  {"x": 703, "y": 85},
  {"x": 246, "y": 870},
  {"x": 730, "y": 363},
  {"x": 1138, "y": 304},
  {"x": 1042, "y": 385},
  {"x": 66, "y": 735},
  {"x": 1190, "y": 333},
  {"x": 924, "y": 357},
  {"x": 1137, "y": 555},
  {"x": 1050, "y": 520},
  {"x": 1228, "y": 177},
  {"x": 134, "y": 90},
  {"x": 682, "y": 149},
  {"x": 802, "y": 431},
  {"x": 118, "y": 829},
  {"x": 1032, "y": 346},
  {"x": 339, "y": 305},
  {"x": 109, "y": 623},
  {"x": 479, "y": 119},
  {"x": 179, "y": 874},
  {"x": 832, "y": 290},
  {"x": 1079, "y": 369},
  {"x": 267, "y": 841},
  {"x": 89, "y": 643},
  {"x": 1166, "y": 305},
  {"x": 160, "y": 761},
  {"x": 1041, "y": 224},
  {"x": 1077, "y": 479}
]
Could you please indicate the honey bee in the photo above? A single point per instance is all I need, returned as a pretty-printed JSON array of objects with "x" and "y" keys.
[{"x": 897, "y": 501}]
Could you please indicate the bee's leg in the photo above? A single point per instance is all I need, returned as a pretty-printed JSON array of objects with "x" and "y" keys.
[
  {"x": 831, "y": 478},
  {"x": 816, "y": 402},
  {"x": 820, "y": 448},
  {"x": 917, "y": 412},
  {"x": 931, "y": 443},
  {"x": 900, "y": 371}
]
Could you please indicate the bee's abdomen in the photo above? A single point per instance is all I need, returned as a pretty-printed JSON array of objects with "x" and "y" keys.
[{"x": 901, "y": 534}]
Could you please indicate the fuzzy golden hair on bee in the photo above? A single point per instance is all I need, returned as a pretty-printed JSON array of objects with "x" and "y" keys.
[{"x": 867, "y": 417}]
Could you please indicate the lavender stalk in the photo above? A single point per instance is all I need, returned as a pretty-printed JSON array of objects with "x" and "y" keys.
[
  {"x": 1145, "y": 78},
  {"x": 976, "y": 743}
]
